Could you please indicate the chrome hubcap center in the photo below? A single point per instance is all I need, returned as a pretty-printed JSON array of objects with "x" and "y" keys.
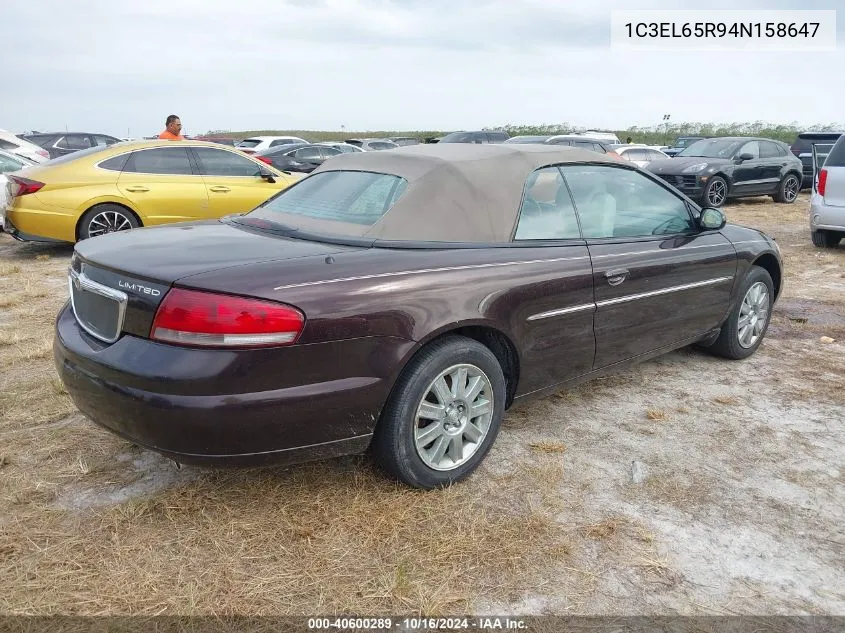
[{"x": 456, "y": 417}]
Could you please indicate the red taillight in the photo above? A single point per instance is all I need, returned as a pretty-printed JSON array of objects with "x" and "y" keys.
[
  {"x": 189, "y": 317},
  {"x": 23, "y": 186},
  {"x": 263, "y": 159},
  {"x": 822, "y": 181}
]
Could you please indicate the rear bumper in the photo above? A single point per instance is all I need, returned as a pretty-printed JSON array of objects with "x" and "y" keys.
[
  {"x": 194, "y": 405},
  {"x": 39, "y": 223},
  {"x": 824, "y": 216},
  {"x": 8, "y": 227}
]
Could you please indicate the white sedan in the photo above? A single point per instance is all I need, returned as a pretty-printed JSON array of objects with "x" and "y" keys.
[
  {"x": 640, "y": 155},
  {"x": 20, "y": 147},
  {"x": 9, "y": 163}
]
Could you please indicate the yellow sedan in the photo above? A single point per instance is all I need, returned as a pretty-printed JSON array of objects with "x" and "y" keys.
[{"x": 137, "y": 183}]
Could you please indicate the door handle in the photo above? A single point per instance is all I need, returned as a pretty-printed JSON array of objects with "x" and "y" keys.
[
  {"x": 136, "y": 188},
  {"x": 220, "y": 188},
  {"x": 616, "y": 276}
]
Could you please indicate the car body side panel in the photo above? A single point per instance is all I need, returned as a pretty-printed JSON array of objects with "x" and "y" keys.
[{"x": 418, "y": 294}]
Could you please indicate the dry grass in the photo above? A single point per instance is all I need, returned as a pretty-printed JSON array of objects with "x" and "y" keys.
[
  {"x": 549, "y": 447},
  {"x": 91, "y": 525}
]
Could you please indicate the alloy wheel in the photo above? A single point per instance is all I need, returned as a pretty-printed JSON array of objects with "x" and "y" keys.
[
  {"x": 790, "y": 189},
  {"x": 717, "y": 193},
  {"x": 753, "y": 314},
  {"x": 453, "y": 418},
  {"x": 108, "y": 222}
]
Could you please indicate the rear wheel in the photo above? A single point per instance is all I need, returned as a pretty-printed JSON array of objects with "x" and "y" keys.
[
  {"x": 746, "y": 326},
  {"x": 825, "y": 239},
  {"x": 106, "y": 218},
  {"x": 443, "y": 415},
  {"x": 788, "y": 189}
]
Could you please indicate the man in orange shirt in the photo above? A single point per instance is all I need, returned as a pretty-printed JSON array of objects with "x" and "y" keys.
[{"x": 173, "y": 131}]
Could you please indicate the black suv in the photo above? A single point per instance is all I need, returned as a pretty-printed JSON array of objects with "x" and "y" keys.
[
  {"x": 61, "y": 143},
  {"x": 803, "y": 149}
]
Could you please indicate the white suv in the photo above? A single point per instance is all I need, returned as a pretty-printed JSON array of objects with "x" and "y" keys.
[
  {"x": 255, "y": 144},
  {"x": 827, "y": 203}
]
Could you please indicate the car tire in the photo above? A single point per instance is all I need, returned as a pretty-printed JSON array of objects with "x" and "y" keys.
[
  {"x": 734, "y": 341},
  {"x": 825, "y": 239},
  {"x": 405, "y": 444},
  {"x": 788, "y": 189},
  {"x": 715, "y": 185},
  {"x": 106, "y": 218}
]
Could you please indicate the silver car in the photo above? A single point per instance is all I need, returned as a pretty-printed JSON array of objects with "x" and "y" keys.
[
  {"x": 9, "y": 163},
  {"x": 827, "y": 203}
]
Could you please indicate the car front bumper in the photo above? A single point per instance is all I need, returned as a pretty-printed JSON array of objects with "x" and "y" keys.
[
  {"x": 824, "y": 216},
  {"x": 192, "y": 405},
  {"x": 690, "y": 185}
]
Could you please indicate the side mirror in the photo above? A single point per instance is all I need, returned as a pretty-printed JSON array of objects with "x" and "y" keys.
[
  {"x": 745, "y": 156},
  {"x": 712, "y": 219},
  {"x": 267, "y": 175}
]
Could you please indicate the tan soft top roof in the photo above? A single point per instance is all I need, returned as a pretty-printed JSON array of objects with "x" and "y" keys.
[{"x": 457, "y": 192}]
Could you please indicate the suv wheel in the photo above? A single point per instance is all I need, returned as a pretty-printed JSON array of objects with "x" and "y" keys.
[
  {"x": 788, "y": 189},
  {"x": 715, "y": 193},
  {"x": 825, "y": 239}
]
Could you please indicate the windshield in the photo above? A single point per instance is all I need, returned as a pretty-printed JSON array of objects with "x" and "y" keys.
[
  {"x": 349, "y": 197},
  {"x": 686, "y": 142},
  {"x": 712, "y": 148}
]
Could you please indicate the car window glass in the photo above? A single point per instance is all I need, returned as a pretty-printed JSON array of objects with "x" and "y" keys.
[
  {"x": 165, "y": 160},
  {"x": 547, "y": 212},
  {"x": 308, "y": 153},
  {"x": 354, "y": 197},
  {"x": 653, "y": 154},
  {"x": 8, "y": 164},
  {"x": 102, "y": 141},
  {"x": 636, "y": 154},
  {"x": 74, "y": 141},
  {"x": 618, "y": 202},
  {"x": 836, "y": 157},
  {"x": 751, "y": 147},
  {"x": 330, "y": 151},
  {"x": 249, "y": 142},
  {"x": 220, "y": 162},
  {"x": 7, "y": 145},
  {"x": 116, "y": 163},
  {"x": 768, "y": 150},
  {"x": 378, "y": 145}
]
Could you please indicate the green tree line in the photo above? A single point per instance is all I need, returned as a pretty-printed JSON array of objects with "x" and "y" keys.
[{"x": 653, "y": 135}]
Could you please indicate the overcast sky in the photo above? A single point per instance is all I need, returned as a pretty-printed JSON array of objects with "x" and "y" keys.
[{"x": 384, "y": 65}]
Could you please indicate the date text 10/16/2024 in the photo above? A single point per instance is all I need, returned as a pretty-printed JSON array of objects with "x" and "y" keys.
[{"x": 418, "y": 624}]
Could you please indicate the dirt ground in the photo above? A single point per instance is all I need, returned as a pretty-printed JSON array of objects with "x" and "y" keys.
[{"x": 686, "y": 485}]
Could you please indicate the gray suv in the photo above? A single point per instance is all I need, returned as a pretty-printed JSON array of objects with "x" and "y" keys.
[{"x": 827, "y": 203}]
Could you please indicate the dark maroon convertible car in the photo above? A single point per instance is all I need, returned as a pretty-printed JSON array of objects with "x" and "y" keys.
[{"x": 400, "y": 301}]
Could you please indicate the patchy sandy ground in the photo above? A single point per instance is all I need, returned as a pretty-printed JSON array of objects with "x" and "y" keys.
[{"x": 688, "y": 484}]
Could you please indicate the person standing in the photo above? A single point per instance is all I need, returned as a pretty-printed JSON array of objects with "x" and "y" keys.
[{"x": 173, "y": 129}]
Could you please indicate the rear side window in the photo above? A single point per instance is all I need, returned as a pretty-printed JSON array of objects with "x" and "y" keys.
[
  {"x": 355, "y": 197},
  {"x": 165, "y": 160},
  {"x": 249, "y": 142},
  {"x": 547, "y": 212},
  {"x": 7, "y": 145},
  {"x": 74, "y": 142},
  {"x": 769, "y": 150},
  {"x": 836, "y": 158},
  {"x": 220, "y": 162},
  {"x": 116, "y": 163}
]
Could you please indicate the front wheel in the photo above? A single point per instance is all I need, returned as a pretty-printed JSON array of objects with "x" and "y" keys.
[
  {"x": 443, "y": 415},
  {"x": 716, "y": 192},
  {"x": 788, "y": 189},
  {"x": 744, "y": 329}
]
